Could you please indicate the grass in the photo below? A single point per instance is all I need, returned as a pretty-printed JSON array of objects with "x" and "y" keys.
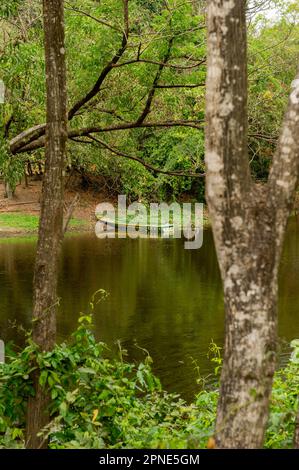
[
  {"x": 27, "y": 222},
  {"x": 19, "y": 239}
]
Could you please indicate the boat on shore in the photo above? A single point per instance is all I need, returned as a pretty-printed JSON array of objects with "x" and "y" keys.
[{"x": 122, "y": 226}]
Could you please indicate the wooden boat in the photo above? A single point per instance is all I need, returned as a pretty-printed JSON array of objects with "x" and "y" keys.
[{"x": 111, "y": 224}]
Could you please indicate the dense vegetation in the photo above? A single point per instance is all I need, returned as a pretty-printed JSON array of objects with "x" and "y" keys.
[
  {"x": 100, "y": 403},
  {"x": 174, "y": 34},
  {"x": 136, "y": 121}
]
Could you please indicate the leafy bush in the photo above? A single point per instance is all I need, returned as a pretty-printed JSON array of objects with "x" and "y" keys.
[
  {"x": 11, "y": 170},
  {"x": 97, "y": 402},
  {"x": 284, "y": 403}
]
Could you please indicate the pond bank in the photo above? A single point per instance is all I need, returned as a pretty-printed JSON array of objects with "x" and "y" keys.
[
  {"x": 23, "y": 224},
  {"x": 19, "y": 216}
]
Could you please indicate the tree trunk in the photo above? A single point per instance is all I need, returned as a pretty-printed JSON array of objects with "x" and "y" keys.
[
  {"x": 250, "y": 291},
  {"x": 248, "y": 222},
  {"x": 296, "y": 434},
  {"x": 8, "y": 190},
  {"x": 51, "y": 219}
]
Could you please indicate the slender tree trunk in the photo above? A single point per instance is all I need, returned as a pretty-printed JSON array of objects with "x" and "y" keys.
[
  {"x": 26, "y": 184},
  {"x": 8, "y": 190},
  {"x": 296, "y": 434},
  {"x": 51, "y": 220},
  {"x": 249, "y": 223}
]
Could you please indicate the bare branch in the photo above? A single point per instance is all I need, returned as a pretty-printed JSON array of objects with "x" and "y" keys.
[
  {"x": 181, "y": 86},
  {"x": 73, "y": 133},
  {"x": 68, "y": 212},
  {"x": 26, "y": 137},
  {"x": 268, "y": 138},
  {"x": 151, "y": 93},
  {"x": 88, "y": 15},
  {"x": 7, "y": 125},
  {"x": 155, "y": 62}
]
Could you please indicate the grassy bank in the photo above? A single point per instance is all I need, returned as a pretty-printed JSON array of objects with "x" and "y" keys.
[{"x": 18, "y": 223}]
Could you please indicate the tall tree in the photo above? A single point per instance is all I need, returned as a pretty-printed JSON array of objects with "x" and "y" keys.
[
  {"x": 249, "y": 222},
  {"x": 152, "y": 46},
  {"x": 51, "y": 220},
  {"x": 296, "y": 434}
]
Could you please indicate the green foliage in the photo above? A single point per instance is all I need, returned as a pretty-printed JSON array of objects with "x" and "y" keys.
[
  {"x": 273, "y": 57},
  {"x": 90, "y": 45},
  {"x": 9, "y": 8},
  {"x": 27, "y": 222},
  {"x": 284, "y": 403},
  {"x": 19, "y": 221},
  {"x": 177, "y": 150},
  {"x": 97, "y": 402},
  {"x": 11, "y": 169},
  {"x": 215, "y": 356}
]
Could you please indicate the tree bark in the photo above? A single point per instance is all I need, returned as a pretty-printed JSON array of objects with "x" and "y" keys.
[
  {"x": 248, "y": 222},
  {"x": 51, "y": 219},
  {"x": 8, "y": 190},
  {"x": 296, "y": 434}
]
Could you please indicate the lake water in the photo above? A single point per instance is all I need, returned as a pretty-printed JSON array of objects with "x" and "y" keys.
[{"x": 161, "y": 297}]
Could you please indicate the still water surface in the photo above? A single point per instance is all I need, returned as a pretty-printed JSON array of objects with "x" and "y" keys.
[{"x": 161, "y": 297}]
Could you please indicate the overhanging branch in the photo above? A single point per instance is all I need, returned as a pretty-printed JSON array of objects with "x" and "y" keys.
[
  {"x": 147, "y": 107},
  {"x": 73, "y": 133},
  {"x": 97, "y": 86},
  {"x": 155, "y": 62},
  {"x": 142, "y": 162}
]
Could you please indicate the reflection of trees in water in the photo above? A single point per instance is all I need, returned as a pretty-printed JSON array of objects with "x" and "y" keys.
[
  {"x": 16, "y": 268},
  {"x": 289, "y": 283},
  {"x": 167, "y": 298}
]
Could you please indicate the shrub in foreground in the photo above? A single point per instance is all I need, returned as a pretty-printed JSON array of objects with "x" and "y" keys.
[{"x": 99, "y": 403}]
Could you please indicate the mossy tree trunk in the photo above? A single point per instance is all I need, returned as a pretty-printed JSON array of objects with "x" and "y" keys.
[
  {"x": 296, "y": 434},
  {"x": 8, "y": 190},
  {"x": 249, "y": 223},
  {"x": 51, "y": 220}
]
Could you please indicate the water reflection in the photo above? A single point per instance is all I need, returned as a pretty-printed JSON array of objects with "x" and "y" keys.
[{"x": 162, "y": 297}]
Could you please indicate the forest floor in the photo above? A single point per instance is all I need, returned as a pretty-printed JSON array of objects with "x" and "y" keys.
[{"x": 20, "y": 215}]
